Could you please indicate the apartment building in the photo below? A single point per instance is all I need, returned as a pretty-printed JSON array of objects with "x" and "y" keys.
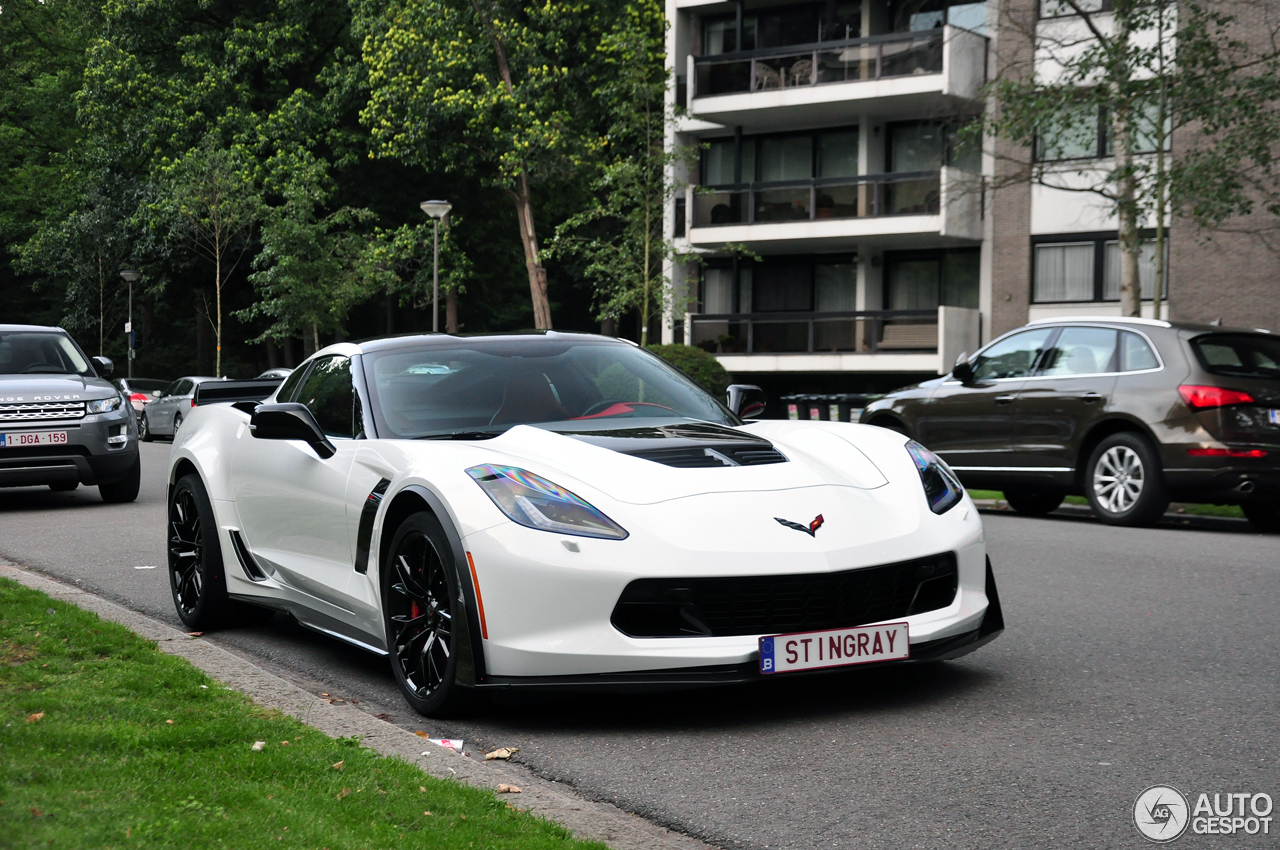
[{"x": 846, "y": 242}]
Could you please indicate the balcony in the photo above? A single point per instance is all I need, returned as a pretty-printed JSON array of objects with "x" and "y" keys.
[
  {"x": 840, "y": 211},
  {"x": 861, "y": 341},
  {"x": 902, "y": 75}
]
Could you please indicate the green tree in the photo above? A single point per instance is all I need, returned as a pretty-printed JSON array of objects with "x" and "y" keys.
[
  {"x": 496, "y": 88},
  {"x": 210, "y": 203},
  {"x": 1137, "y": 73}
]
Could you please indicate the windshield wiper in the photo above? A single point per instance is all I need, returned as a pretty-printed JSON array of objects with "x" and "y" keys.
[{"x": 461, "y": 435}]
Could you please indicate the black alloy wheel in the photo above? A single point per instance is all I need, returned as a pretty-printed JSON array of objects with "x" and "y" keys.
[
  {"x": 144, "y": 428},
  {"x": 195, "y": 557},
  {"x": 1033, "y": 502},
  {"x": 421, "y": 606},
  {"x": 1264, "y": 515},
  {"x": 1124, "y": 481}
]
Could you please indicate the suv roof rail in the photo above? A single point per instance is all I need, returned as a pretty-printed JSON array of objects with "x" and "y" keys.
[{"x": 1128, "y": 320}]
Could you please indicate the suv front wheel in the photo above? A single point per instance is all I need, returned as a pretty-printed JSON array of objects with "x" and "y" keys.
[{"x": 1124, "y": 481}]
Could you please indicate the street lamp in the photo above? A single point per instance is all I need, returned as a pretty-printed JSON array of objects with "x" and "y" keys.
[
  {"x": 130, "y": 276},
  {"x": 437, "y": 210}
]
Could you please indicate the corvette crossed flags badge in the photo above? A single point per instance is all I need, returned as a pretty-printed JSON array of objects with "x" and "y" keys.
[{"x": 811, "y": 529}]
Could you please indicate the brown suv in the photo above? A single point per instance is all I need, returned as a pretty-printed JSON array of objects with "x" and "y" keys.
[{"x": 1131, "y": 413}]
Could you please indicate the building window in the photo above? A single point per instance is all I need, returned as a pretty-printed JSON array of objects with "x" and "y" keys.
[
  {"x": 1085, "y": 133},
  {"x": 787, "y": 284},
  {"x": 1086, "y": 267},
  {"x": 1061, "y": 8},
  {"x": 925, "y": 280},
  {"x": 920, "y": 15},
  {"x": 929, "y": 145}
]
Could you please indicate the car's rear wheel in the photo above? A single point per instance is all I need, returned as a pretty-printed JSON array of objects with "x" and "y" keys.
[
  {"x": 1033, "y": 502},
  {"x": 126, "y": 489},
  {"x": 196, "y": 576},
  {"x": 144, "y": 429},
  {"x": 421, "y": 606},
  {"x": 1263, "y": 515},
  {"x": 1124, "y": 481}
]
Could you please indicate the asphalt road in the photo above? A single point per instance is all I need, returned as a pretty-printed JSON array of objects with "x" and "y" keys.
[{"x": 1133, "y": 657}]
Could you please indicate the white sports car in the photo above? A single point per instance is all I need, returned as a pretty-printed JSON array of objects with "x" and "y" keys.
[{"x": 565, "y": 510}]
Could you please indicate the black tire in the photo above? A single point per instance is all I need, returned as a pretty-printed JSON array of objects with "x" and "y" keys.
[
  {"x": 1263, "y": 515},
  {"x": 126, "y": 489},
  {"x": 421, "y": 602},
  {"x": 64, "y": 486},
  {"x": 144, "y": 428},
  {"x": 177, "y": 423},
  {"x": 1033, "y": 502},
  {"x": 1124, "y": 481},
  {"x": 196, "y": 577}
]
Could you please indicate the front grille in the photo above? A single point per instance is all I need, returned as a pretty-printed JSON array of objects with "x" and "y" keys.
[
  {"x": 28, "y": 413},
  {"x": 696, "y": 457},
  {"x": 761, "y": 605}
]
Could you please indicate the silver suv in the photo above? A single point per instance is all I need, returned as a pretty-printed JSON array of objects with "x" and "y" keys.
[{"x": 62, "y": 423}]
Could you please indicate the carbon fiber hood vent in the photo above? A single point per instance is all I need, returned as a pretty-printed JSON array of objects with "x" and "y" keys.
[{"x": 685, "y": 446}]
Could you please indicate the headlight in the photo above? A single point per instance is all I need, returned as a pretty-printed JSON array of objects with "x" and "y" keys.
[
  {"x": 941, "y": 487},
  {"x": 534, "y": 502},
  {"x": 104, "y": 405}
]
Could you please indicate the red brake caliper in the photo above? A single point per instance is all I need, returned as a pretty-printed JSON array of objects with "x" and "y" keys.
[{"x": 414, "y": 610}]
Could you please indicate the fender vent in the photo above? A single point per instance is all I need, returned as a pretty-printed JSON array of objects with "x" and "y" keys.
[
  {"x": 701, "y": 457},
  {"x": 245, "y": 557}
]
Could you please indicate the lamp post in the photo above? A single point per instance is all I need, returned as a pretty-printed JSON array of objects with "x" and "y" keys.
[
  {"x": 130, "y": 276},
  {"x": 437, "y": 210}
]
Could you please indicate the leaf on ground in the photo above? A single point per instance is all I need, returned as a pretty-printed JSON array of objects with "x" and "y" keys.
[
  {"x": 428, "y": 814},
  {"x": 170, "y": 722},
  {"x": 421, "y": 734},
  {"x": 258, "y": 745},
  {"x": 284, "y": 743},
  {"x": 343, "y": 793},
  {"x": 501, "y": 753},
  {"x": 422, "y": 788},
  {"x": 338, "y": 765},
  {"x": 34, "y": 717},
  {"x": 195, "y": 634},
  {"x": 504, "y": 788}
]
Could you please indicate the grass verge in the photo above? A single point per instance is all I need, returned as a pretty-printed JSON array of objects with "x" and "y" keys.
[
  {"x": 1178, "y": 508},
  {"x": 107, "y": 742}
]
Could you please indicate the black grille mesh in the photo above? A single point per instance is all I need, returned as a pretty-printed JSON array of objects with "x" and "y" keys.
[
  {"x": 696, "y": 457},
  {"x": 760, "y": 605}
]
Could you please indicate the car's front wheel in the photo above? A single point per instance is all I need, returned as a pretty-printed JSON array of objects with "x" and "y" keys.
[
  {"x": 177, "y": 423},
  {"x": 144, "y": 429},
  {"x": 126, "y": 489},
  {"x": 1263, "y": 515},
  {"x": 196, "y": 576},
  {"x": 1033, "y": 502},
  {"x": 1124, "y": 481},
  {"x": 421, "y": 606}
]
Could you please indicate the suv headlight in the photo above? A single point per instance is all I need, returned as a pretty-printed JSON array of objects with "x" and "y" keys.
[
  {"x": 104, "y": 405},
  {"x": 534, "y": 502},
  {"x": 941, "y": 487}
]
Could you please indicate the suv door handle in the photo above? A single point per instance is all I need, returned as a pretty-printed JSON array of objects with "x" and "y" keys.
[
  {"x": 1003, "y": 399},
  {"x": 1090, "y": 398}
]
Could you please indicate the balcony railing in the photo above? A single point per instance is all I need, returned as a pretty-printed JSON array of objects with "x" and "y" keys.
[
  {"x": 808, "y": 333},
  {"x": 874, "y": 58},
  {"x": 910, "y": 193}
]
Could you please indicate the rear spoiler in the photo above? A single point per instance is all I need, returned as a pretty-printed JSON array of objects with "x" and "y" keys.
[{"x": 223, "y": 392}]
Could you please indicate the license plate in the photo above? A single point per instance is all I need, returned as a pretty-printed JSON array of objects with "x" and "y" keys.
[
  {"x": 33, "y": 438},
  {"x": 1273, "y": 416},
  {"x": 833, "y": 648}
]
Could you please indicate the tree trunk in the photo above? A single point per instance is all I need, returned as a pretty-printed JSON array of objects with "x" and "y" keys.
[
  {"x": 102, "y": 311},
  {"x": 1127, "y": 210},
  {"x": 390, "y": 313},
  {"x": 273, "y": 354},
  {"x": 609, "y": 327},
  {"x": 204, "y": 354},
  {"x": 217, "y": 265},
  {"x": 532, "y": 262},
  {"x": 289, "y": 359},
  {"x": 450, "y": 311}
]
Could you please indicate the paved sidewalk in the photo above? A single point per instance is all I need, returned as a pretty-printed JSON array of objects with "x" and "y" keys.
[{"x": 551, "y": 800}]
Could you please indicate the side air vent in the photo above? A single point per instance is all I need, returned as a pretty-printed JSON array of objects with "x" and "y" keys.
[
  {"x": 701, "y": 457},
  {"x": 245, "y": 557}
]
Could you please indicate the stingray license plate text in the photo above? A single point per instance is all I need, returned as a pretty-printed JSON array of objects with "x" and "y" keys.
[
  {"x": 33, "y": 438},
  {"x": 834, "y": 648}
]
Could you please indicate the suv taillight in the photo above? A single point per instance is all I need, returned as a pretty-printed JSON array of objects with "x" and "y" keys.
[{"x": 1200, "y": 398}]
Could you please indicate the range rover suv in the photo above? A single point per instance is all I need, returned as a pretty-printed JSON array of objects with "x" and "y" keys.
[
  {"x": 62, "y": 424},
  {"x": 1131, "y": 413}
]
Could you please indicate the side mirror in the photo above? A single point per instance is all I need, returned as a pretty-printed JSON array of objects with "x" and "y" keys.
[
  {"x": 963, "y": 370},
  {"x": 103, "y": 365},
  {"x": 156, "y": 393},
  {"x": 746, "y": 401},
  {"x": 290, "y": 421}
]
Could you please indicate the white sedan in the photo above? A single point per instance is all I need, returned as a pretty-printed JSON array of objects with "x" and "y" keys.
[{"x": 567, "y": 511}]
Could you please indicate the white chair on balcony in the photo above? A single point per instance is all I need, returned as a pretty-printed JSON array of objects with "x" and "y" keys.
[
  {"x": 801, "y": 73},
  {"x": 765, "y": 78}
]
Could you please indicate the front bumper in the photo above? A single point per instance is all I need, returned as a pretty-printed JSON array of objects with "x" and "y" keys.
[{"x": 86, "y": 457}]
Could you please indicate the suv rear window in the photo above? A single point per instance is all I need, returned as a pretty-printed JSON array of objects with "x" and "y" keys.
[{"x": 1239, "y": 355}]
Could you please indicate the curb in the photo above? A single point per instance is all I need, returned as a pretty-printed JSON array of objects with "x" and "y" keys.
[{"x": 553, "y": 801}]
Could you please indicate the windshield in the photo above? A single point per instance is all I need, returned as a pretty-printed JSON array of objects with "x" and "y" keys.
[
  {"x": 29, "y": 353},
  {"x": 483, "y": 387},
  {"x": 1239, "y": 355}
]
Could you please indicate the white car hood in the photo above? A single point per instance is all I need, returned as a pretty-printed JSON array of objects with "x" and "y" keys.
[{"x": 818, "y": 454}]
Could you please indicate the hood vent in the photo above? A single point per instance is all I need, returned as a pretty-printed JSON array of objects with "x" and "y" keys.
[{"x": 702, "y": 457}]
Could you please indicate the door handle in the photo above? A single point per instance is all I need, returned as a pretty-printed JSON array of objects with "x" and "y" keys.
[
  {"x": 1090, "y": 398},
  {"x": 1003, "y": 399}
]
